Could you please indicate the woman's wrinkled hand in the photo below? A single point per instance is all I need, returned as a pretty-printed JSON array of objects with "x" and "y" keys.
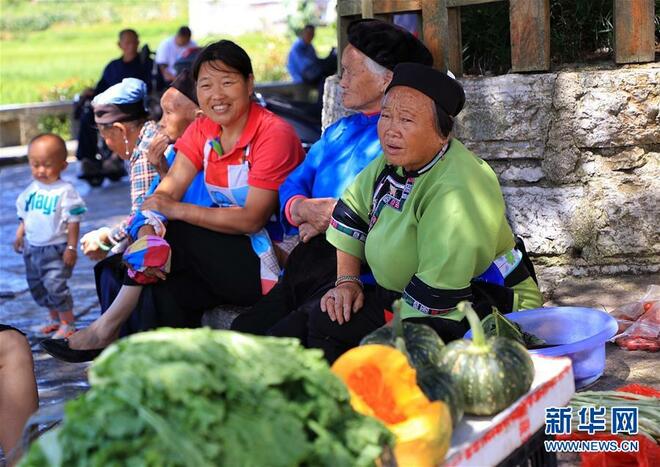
[
  {"x": 156, "y": 153},
  {"x": 316, "y": 212},
  {"x": 306, "y": 232},
  {"x": 90, "y": 244},
  {"x": 163, "y": 204},
  {"x": 342, "y": 301}
]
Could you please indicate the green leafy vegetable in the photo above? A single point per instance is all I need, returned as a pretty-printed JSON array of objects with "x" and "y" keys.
[
  {"x": 496, "y": 324},
  {"x": 211, "y": 398},
  {"x": 648, "y": 409}
]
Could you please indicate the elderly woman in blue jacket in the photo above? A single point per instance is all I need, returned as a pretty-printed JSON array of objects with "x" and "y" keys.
[{"x": 309, "y": 194}]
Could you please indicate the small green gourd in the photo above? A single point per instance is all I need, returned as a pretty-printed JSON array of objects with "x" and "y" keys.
[{"x": 491, "y": 373}]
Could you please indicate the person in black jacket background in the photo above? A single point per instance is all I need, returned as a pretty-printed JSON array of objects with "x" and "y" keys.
[{"x": 130, "y": 65}]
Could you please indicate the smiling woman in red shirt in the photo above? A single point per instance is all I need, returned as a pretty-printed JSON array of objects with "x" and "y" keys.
[
  {"x": 246, "y": 152},
  {"x": 223, "y": 254}
]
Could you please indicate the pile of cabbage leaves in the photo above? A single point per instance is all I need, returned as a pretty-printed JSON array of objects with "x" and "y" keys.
[{"x": 202, "y": 397}]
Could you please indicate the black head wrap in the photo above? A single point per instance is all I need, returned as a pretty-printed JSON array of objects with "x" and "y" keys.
[
  {"x": 446, "y": 92},
  {"x": 185, "y": 84},
  {"x": 387, "y": 44}
]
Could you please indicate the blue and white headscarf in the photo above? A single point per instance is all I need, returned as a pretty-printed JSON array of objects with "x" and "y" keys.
[{"x": 122, "y": 102}]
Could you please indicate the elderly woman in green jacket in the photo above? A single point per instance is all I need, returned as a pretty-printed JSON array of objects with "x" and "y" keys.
[{"x": 428, "y": 218}]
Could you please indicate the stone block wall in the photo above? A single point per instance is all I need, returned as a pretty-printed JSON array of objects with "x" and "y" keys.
[{"x": 578, "y": 157}]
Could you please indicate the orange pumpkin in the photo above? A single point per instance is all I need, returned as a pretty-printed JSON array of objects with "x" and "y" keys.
[{"x": 382, "y": 384}]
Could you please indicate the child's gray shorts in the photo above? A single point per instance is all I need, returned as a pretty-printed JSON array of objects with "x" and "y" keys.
[{"x": 47, "y": 276}]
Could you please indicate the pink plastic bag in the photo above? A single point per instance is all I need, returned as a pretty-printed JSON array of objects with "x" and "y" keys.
[{"x": 639, "y": 322}]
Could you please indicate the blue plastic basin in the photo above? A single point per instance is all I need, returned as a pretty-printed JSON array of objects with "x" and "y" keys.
[{"x": 575, "y": 332}]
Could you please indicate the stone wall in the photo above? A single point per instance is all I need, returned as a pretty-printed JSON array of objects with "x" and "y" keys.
[{"x": 577, "y": 154}]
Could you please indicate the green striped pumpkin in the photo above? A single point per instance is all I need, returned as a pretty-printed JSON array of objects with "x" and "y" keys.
[
  {"x": 491, "y": 373},
  {"x": 423, "y": 344},
  {"x": 423, "y": 347},
  {"x": 437, "y": 385}
]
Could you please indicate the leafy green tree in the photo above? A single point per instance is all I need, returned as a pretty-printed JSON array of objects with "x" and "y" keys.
[{"x": 300, "y": 13}]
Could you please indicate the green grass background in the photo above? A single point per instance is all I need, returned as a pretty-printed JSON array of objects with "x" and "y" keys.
[{"x": 52, "y": 49}]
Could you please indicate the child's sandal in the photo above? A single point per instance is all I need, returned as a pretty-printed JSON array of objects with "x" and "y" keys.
[
  {"x": 50, "y": 328},
  {"x": 65, "y": 330}
]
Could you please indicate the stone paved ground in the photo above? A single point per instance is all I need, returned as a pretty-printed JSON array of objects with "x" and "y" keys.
[{"x": 59, "y": 381}]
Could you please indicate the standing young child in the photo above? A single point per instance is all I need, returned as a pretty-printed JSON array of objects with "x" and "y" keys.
[{"x": 49, "y": 211}]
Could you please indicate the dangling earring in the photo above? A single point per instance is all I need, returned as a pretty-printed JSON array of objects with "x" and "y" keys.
[{"x": 126, "y": 146}]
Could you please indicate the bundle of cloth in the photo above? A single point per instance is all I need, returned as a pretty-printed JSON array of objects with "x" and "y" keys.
[{"x": 149, "y": 251}]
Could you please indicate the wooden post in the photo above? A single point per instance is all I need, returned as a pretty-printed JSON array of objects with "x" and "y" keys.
[
  {"x": 530, "y": 35},
  {"x": 342, "y": 37},
  {"x": 367, "y": 8},
  {"x": 434, "y": 31},
  {"x": 634, "y": 39},
  {"x": 454, "y": 41}
]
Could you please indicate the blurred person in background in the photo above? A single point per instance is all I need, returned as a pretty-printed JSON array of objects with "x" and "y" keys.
[
  {"x": 171, "y": 50},
  {"x": 304, "y": 65},
  {"x": 408, "y": 21},
  {"x": 130, "y": 65}
]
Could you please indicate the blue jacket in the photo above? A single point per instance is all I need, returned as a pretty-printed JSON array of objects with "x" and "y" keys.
[
  {"x": 333, "y": 162},
  {"x": 301, "y": 56}
]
